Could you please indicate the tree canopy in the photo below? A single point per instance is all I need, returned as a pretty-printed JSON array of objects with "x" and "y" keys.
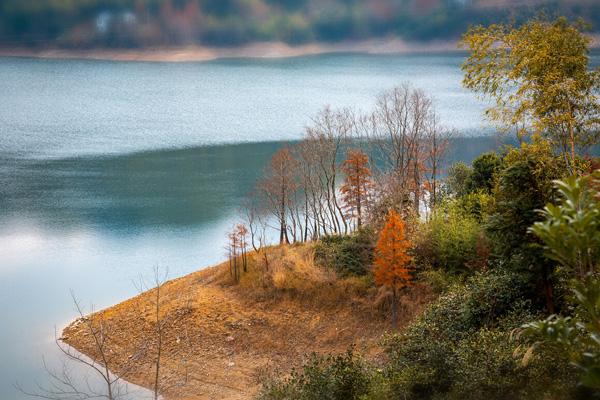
[{"x": 539, "y": 78}]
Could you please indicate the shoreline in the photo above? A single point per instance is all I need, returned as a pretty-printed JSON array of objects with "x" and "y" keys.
[
  {"x": 221, "y": 339},
  {"x": 266, "y": 50}
]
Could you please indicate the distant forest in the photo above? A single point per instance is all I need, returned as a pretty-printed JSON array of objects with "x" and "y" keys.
[{"x": 144, "y": 23}]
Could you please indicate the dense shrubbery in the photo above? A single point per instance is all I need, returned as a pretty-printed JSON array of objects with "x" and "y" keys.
[
  {"x": 483, "y": 173},
  {"x": 450, "y": 240},
  {"x": 478, "y": 178},
  {"x": 460, "y": 348},
  {"x": 346, "y": 254},
  {"x": 524, "y": 186},
  {"x": 344, "y": 376},
  {"x": 457, "y": 182}
]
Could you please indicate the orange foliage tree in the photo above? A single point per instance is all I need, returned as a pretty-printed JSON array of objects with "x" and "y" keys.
[
  {"x": 391, "y": 264},
  {"x": 357, "y": 185}
]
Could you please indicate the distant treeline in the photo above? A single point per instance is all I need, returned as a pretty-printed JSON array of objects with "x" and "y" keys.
[{"x": 142, "y": 23}]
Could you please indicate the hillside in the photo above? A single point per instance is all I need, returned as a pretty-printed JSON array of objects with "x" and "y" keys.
[{"x": 219, "y": 338}]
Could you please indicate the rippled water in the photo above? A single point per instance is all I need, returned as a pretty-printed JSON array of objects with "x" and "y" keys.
[
  {"x": 107, "y": 169},
  {"x": 65, "y": 108}
]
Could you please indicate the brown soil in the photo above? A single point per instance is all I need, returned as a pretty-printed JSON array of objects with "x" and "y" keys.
[{"x": 220, "y": 338}]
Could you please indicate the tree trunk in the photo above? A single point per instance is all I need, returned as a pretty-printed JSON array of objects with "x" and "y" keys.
[
  {"x": 159, "y": 339},
  {"x": 394, "y": 308},
  {"x": 572, "y": 139},
  {"x": 548, "y": 292}
]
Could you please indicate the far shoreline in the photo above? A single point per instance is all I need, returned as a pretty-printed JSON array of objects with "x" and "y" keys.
[
  {"x": 259, "y": 50},
  {"x": 265, "y": 50}
]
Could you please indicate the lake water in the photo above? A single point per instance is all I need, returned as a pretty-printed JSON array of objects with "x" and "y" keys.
[{"x": 108, "y": 169}]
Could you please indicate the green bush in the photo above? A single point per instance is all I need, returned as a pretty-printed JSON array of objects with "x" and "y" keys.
[
  {"x": 341, "y": 377},
  {"x": 571, "y": 230},
  {"x": 479, "y": 177},
  {"x": 437, "y": 279},
  {"x": 485, "y": 168},
  {"x": 450, "y": 240},
  {"x": 524, "y": 186},
  {"x": 476, "y": 204},
  {"x": 459, "y": 175},
  {"x": 347, "y": 254}
]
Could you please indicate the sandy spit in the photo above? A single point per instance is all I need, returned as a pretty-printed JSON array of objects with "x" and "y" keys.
[{"x": 254, "y": 50}]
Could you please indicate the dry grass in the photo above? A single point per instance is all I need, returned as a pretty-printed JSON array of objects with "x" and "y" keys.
[
  {"x": 220, "y": 336},
  {"x": 289, "y": 272}
]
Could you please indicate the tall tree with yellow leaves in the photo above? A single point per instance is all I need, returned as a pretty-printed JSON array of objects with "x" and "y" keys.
[
  {"x": 539, "y": 76},
  {"x": 391, "y": 264},
  {"x": 357, "y": 185}
]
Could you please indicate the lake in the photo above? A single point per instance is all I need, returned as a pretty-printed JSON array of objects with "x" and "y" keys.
[{"x": 108, "y": 169}]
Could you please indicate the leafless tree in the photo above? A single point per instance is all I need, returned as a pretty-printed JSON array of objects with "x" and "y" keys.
[
  {"x": 403, "y": 141},
  {"x": 251, "y": 214},
  {"x": 327, "y": 135},
  {"x": 64, "y": 383},
  {"x": 255, "y": 216},
  {"x": 436, "y": 148},
  {"x": 314, "y": 191},
  {"x": 278, "y": 187},
  {"x": 398, "y": 132},
  {"x": 242, "y": 233},
  {"x": 159, "y": 278},
  {"x": 233, "y": 252}
]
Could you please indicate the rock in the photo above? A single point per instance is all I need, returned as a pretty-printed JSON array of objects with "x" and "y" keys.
[{"x": 230, "y": 339}]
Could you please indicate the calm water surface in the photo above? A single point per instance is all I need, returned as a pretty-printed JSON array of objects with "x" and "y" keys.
[{"x": 108, "y": 169}]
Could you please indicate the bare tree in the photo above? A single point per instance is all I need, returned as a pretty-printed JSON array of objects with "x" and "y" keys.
[
  {"x": 436, "y": 148},
  {"x": 64, "y": 385},
  {"x": 159, "y": 278},
  {"x": 314, "y": 190},
  {"x": 397, "y": 132},
  {"x": 278, "y": 187},
  {"x": 242, "y": 239},
  {"x": 233, "y": 252},
  {"x": 251, "y": 215},
  {"x": 254, "y": 216},
  {"x": 329, "y": 132},
  {"x": 403, "y": 143},
  {"x": 335, "y": 128}
]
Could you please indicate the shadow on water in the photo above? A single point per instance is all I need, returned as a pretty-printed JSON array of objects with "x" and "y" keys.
[
  {"x": 166, "y": 188},
  {"x": 173, "y": 188}
]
